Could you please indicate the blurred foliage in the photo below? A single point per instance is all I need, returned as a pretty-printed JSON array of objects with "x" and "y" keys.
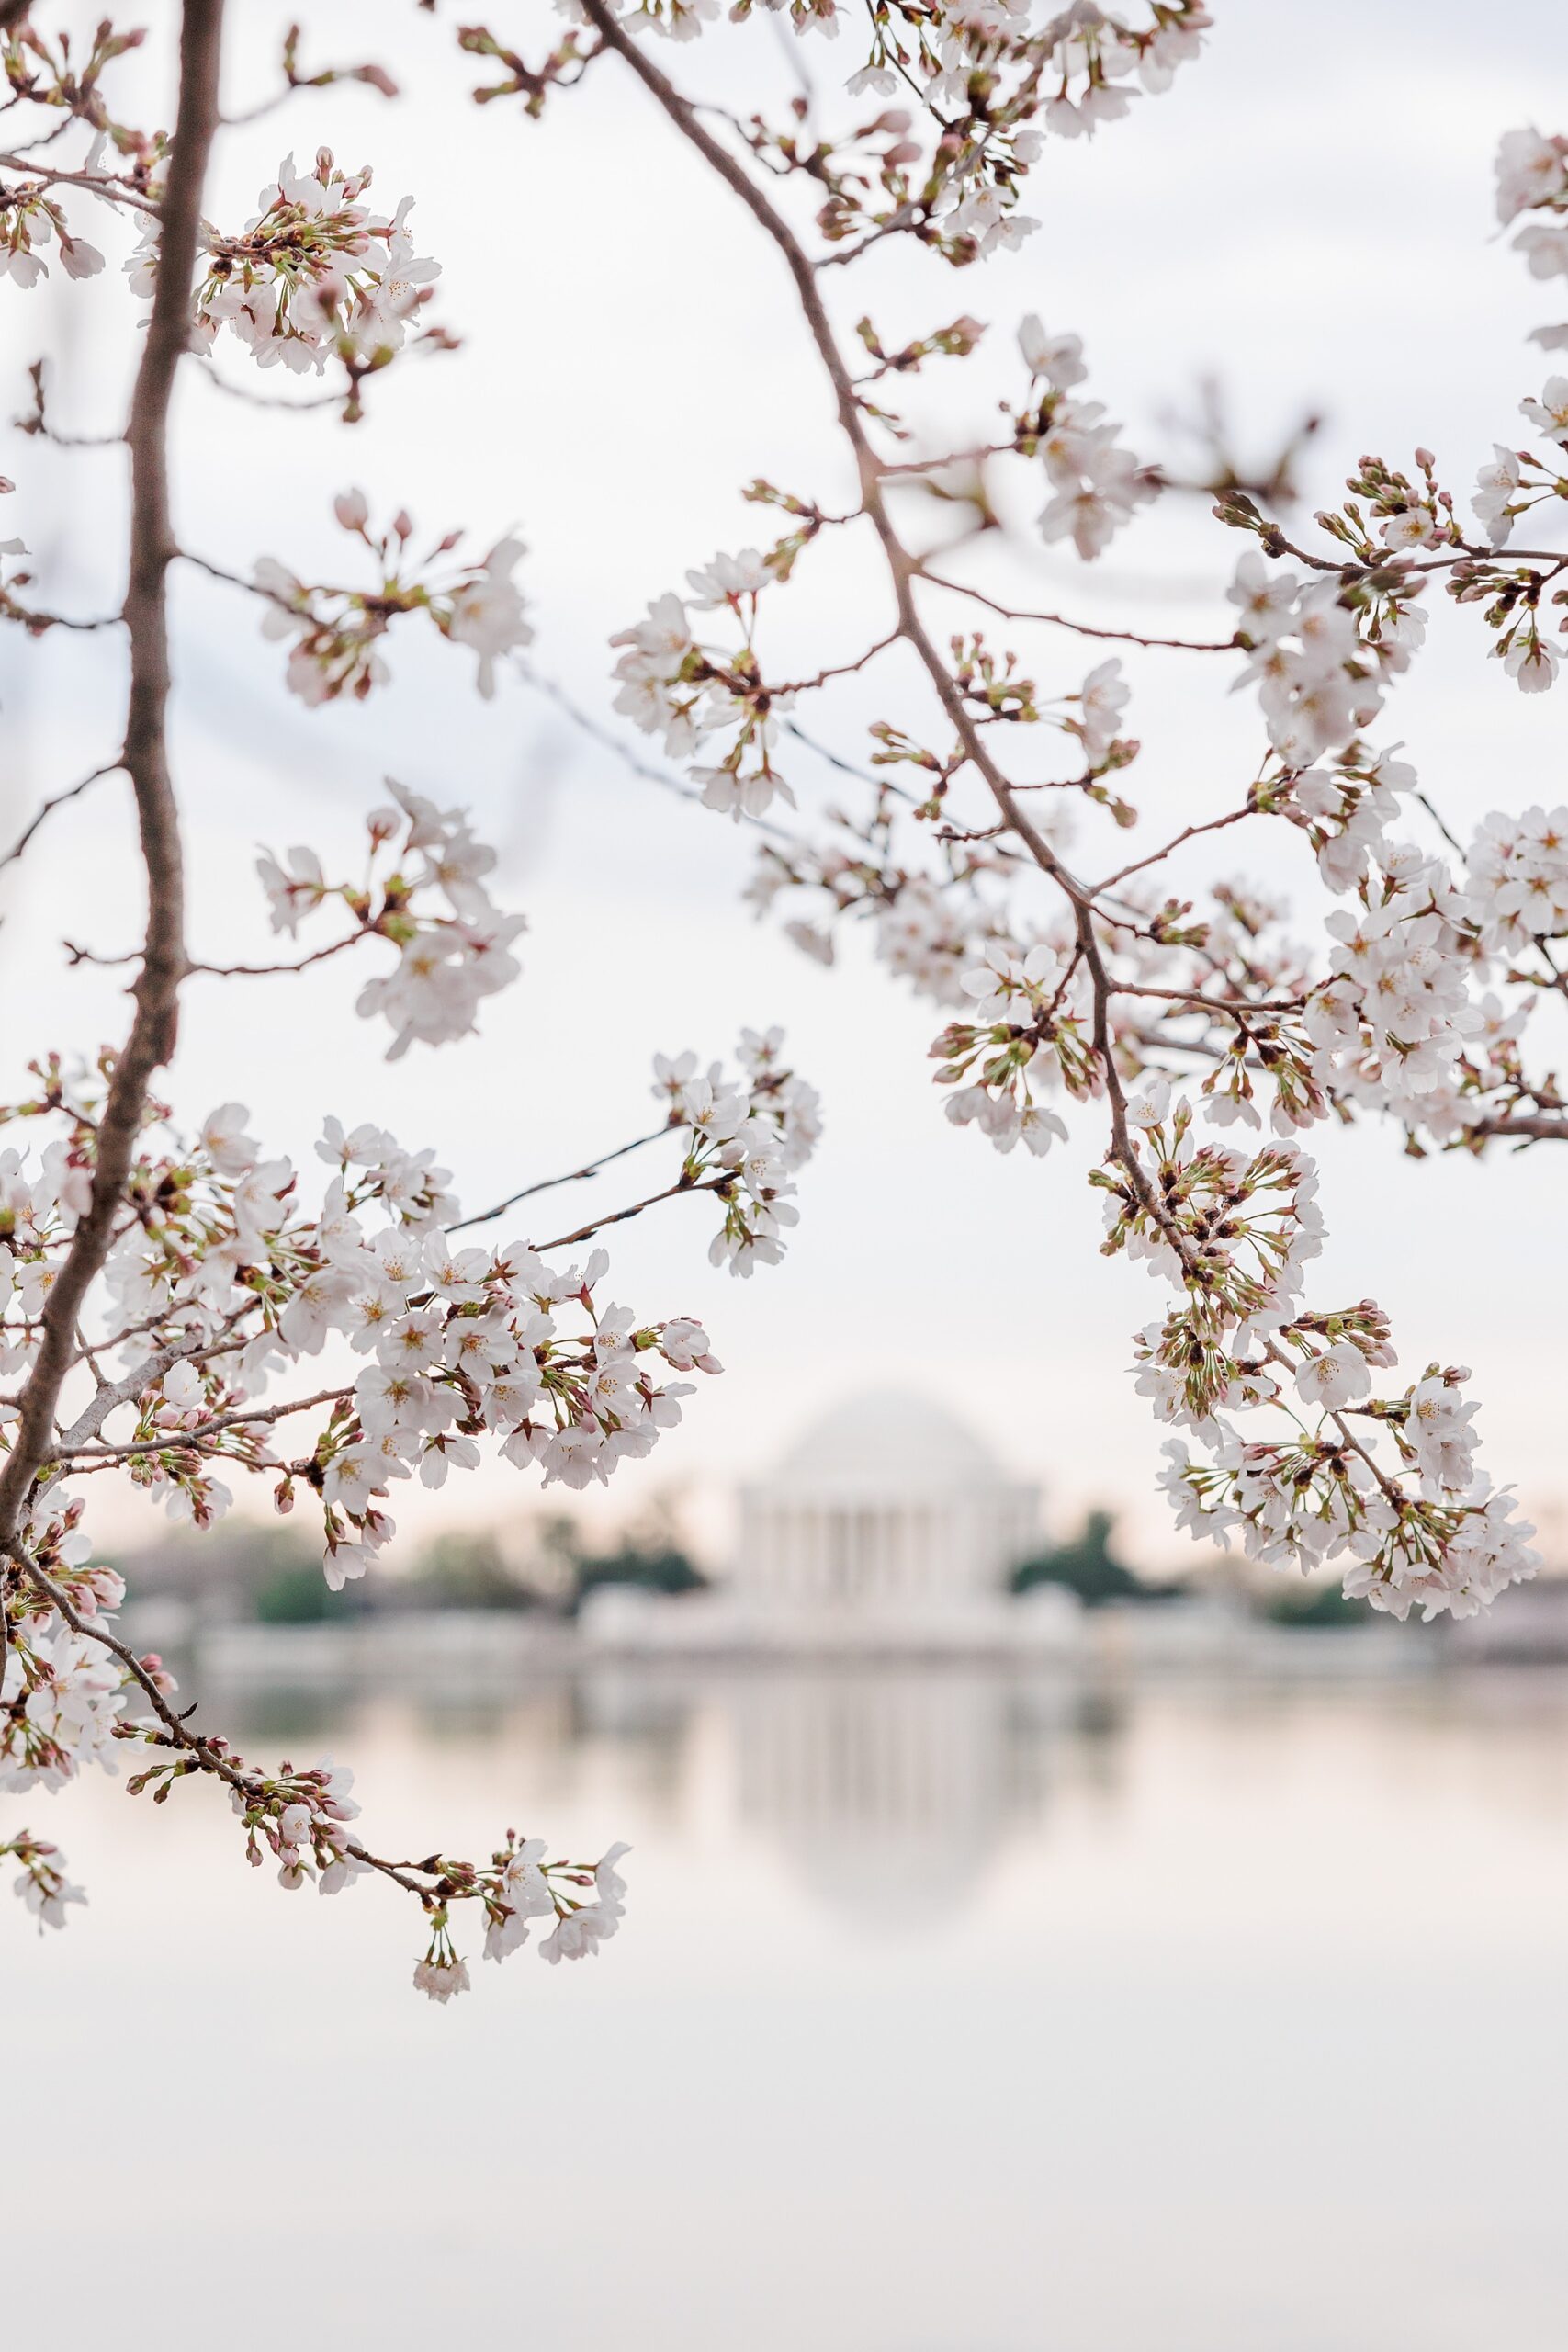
[
  {"x": 1312, "y": 1605},
  {"x": 1088, "y": 1566},
  {"x": 269, "y": 1572},
  {"x": 299, "y": 1594},
  {"x": 556, "y": 1570},
  {"x": 460, "y": 1571},
  {"x": 649, "y": 1558},
  {"x": 662, "y": 1568}
]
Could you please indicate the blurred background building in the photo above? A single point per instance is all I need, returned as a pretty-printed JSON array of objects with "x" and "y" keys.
[{"x": 887, "y": 1507}]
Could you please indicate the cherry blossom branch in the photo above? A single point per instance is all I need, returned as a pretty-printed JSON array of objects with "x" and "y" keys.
[
  {"x": 904, "y": 566},
  {"x": 209, "y": 1756},
  {"x": 156, "y": 992}
]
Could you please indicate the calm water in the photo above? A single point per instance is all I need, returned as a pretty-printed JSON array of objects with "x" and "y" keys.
[{"x": 952, "y": 2013}]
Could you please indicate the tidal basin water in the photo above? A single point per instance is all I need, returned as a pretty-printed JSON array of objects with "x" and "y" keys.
[{"x": 952, "y": 2012}]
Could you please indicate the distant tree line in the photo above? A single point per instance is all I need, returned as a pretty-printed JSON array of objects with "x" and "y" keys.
[{"x": 1087, "y": 1566}]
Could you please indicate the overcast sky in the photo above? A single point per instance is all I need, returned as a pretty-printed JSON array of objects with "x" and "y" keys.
[{"x": 1308, "y": 213}]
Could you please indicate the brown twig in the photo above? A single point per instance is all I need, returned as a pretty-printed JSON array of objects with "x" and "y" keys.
[
  {"x": 547, "y": 1183},
  {"x": 72, "y": 792},
  {"x": 619, "y": 1216},
  {"x": 1082, "y": 628},
  {"x": 177, "y": 1441}
]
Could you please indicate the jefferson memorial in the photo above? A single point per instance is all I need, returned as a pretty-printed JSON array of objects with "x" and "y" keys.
[
  {"x": 887, "y": 1507},
  {"x": 886, "y": 1529}
]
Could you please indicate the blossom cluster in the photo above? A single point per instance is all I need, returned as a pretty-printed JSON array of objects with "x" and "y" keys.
[
  {"x": 994, "y": 85},
  {"x": 449, "y": 961},
  {"x": 688, "y": 691},
  {"x": 746, "y": 1137},
  {"x": 224, "y": 1282},
  {"x": 1516, "y": 880},
  {"x": 1096, "y": 485},
  {"x": 313, "y": 276},
  {"x": 1322, "y": 656},
  {"x": 1234, "y": 1235},
  {"x": 1391, "y": 1021},
  {"x": 31, "y": 219},
  {"x": 337, "y": 632},
  {"x": 1532, "y": 176},
  {"x": 40, "y": 1879}
]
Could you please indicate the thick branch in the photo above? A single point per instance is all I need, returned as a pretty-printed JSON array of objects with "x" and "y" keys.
[
  {"x": 1527, "y": 1127},
  {"x": 151, "y": 1039}
]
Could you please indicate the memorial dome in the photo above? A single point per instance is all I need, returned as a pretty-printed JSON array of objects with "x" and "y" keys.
[
  {"x": 888, "y": 1441},
  {"x": 887, "y": 1508}
]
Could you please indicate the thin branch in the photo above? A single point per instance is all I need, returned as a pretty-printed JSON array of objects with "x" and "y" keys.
[
  {"x": 842, "y": 669},
  {"x": 619, "y": 1216},
  {"x": 209, "y": 375},
  {"x": 179, "y": 1441},
  {"x": 113, "y": 190},
  {"x": 1188, "y": 833},
  {"x": 72, "y": 792},
  {"x": 111, "y": 1394},
  {"x": 270, "y": 971},
  {"x": 1242, "y": 1004},
  {"x": 1082, "y": 628},
  {"x": 591, "y": 728},
  {"x": 547, "y": 1183},
  {"x": 238, "y": 579},
  {"x": 845, "y": 767},
  {"x": 27, "y": 616}
]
